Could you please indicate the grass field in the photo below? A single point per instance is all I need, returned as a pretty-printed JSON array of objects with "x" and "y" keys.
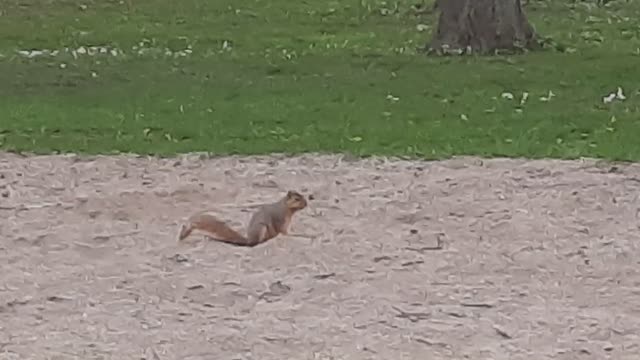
[{"x": 279, "y": 76}]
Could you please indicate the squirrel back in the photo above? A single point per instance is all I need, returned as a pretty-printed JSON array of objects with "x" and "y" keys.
[{"x": 266, "y": 223}]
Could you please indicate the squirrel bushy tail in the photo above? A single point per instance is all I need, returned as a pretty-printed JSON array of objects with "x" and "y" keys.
[{"x": 213, "y": 228}]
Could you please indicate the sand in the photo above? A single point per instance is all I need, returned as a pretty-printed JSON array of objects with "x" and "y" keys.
[{"x": 539, "y": 259}]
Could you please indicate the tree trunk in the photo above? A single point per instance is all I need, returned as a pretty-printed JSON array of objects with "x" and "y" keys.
[{"x": 481, "y": 26}]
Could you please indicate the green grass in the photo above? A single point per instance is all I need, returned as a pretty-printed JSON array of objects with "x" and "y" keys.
[{"x": 341, "y": 76}]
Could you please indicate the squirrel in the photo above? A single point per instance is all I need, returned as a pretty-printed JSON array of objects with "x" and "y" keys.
[{"x": 265, "y": 224}]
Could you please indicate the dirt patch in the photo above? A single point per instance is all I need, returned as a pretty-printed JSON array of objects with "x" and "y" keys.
[{"x": 540, "y": 260}]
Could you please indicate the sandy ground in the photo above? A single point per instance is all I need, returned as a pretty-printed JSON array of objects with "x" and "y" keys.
[{"x": 540, "y": 260}]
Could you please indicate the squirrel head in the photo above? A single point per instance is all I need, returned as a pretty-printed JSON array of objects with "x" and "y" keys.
[{"x": 295, "y": 200}]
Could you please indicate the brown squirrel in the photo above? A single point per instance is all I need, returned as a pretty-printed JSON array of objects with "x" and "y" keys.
[{"x": 265, "y": 224}]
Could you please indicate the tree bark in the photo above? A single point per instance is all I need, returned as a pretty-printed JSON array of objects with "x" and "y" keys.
[{"x": 481, "y": 26}]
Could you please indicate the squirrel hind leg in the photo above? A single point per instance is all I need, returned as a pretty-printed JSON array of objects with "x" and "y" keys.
[
  {"x": 258, "y": 235},
  {"x": 185, "y": 230}
]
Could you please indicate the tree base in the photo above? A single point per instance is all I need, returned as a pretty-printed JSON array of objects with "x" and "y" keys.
[{"x": 482, "y": 27}]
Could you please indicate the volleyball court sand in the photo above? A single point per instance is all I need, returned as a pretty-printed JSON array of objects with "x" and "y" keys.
[{"x": 540, "y": 260}]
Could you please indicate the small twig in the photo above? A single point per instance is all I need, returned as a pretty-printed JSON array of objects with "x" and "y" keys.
[
  {"x": 274, "y": 339},
  {"x": 430, "y": 343},
  {"x": 380, "y": 258},
  {"x": 425, "y": 341},
  {"x": 324, "y": 276},
  {"x": 423, "y": 249},
  {"x": 23, "y": 207},
  {"x": 411, "y": 316},
  {"x": 109, "y": 236},
  {"x": 409, "y": 263},
  {"x": 455, "y": 314},
  {"x": 502, "y": 333},
  {"x": 56, "y": 298},
  {"x": 15, "y": 302},
  {"x": 40, "y": 206},
  {"x": 478, "y": 305}
]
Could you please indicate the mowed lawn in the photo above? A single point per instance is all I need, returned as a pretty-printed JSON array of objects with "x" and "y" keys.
[{"x": 259, "y": 76}]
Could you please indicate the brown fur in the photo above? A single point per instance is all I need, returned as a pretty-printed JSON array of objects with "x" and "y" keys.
[{"x": 265, "y": 224}]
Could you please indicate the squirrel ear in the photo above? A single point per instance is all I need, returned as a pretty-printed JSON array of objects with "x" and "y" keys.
[{"x": 289, "y": 194}]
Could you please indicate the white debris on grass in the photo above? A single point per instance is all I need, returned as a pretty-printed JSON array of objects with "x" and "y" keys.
[
  {"x": 105, "y": 51},
  {"x": 525, "y": 96},
  {"x": 618, "y": 95},
  {"x": 549, "y": 96},
  {"x": 507, "y": 95}
]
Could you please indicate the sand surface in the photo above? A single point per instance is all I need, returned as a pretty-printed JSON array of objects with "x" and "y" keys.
[{"x": 540, "y": 260}]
